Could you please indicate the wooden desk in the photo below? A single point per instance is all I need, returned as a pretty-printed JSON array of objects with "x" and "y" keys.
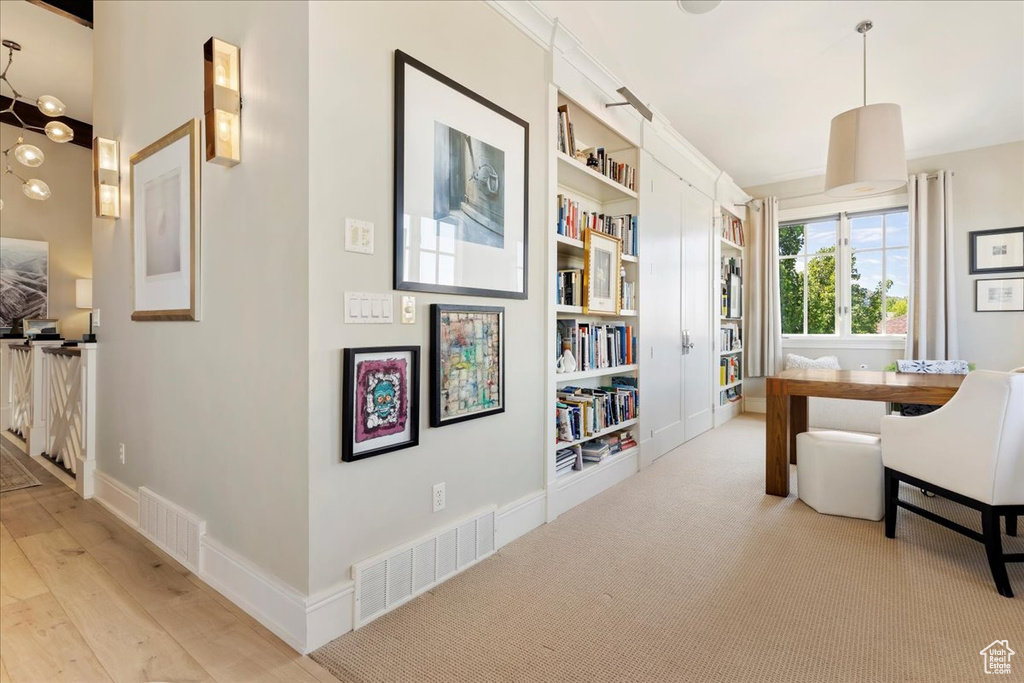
[{"x": 787, "y": 406}]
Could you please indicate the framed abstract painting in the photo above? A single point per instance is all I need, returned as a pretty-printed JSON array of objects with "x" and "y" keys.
[
  {"x": 467, "y": 370},
  {"x": 461, "y": 179},
  {"x": 381, "y": 401}
]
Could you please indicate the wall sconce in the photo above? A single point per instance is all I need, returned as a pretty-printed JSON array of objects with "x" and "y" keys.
[
  {"x": 223, "y": 99},
  {"x": 106, "y": 175}
]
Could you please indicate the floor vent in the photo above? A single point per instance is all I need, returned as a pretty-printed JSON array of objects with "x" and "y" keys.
[
  {"x": 175, "y": 530},
  {"x": 397, "y": 576}
]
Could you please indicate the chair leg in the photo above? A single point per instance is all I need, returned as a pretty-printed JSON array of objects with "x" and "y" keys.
[
  {"x": 892, "y": 492},
  {"x": 994, "y": 549},
  {"x": 1011, "y": 525}
]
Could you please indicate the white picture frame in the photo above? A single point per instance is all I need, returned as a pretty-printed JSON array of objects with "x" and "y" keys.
[{"x": 1001, "y": 295}]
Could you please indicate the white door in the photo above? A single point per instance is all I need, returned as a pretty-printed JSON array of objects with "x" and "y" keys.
[
  {"x": 699, "y": 359},
  {"x": 662, "y": 417}
]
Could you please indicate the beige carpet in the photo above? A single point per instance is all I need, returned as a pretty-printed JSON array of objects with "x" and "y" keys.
[
  {"x": 13, "y": 475},
  {"x": 688, "y": 572}
]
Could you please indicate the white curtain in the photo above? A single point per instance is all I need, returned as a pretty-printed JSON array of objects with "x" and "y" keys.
[
  {"x": 763, "y": 307},
  {"x": 931, "y": 323}
]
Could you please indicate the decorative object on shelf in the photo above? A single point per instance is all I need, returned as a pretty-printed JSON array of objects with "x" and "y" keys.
[
  {"x": 223, "y": 102},
  {"x": 381, "y": 401},
  {"x": 566, "y": 362},
  {"x": 999, "y": 295},
  {"x": 165, "y": 187},
  {"x": 866, "y": 155},
  {"x": 83, "y": 299},
  {"x": 461, "y": 173},
  {"x": 467, "y": 369},
  {"x": 602, "y": 265},
  {"x": 24, "y": 279},
  {"x": 106, "y": 175},
  {"x": 33, "y": 328},
  {"x": 26, "y": 154},
  {"x": 997, "y": 251}
]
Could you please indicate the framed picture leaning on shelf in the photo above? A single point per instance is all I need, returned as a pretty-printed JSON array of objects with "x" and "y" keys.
[
  {"x": 467, "y": 369},
  {"x": 602, "y": 258},
  {"x": 461, "y": 178},
  {"x": 380, "y": 405},
  {"x": 997, "y": 251}
]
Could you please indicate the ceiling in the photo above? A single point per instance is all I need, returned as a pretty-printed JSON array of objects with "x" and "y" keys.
[
  {"x": 754, "y": 85},
  {"x": 55, "y": 57}
]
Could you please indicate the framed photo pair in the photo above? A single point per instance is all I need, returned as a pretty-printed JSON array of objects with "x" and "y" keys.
[{"x": 461, "y": 179}]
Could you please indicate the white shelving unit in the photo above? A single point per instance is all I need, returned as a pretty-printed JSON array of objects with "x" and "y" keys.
[
  {"x": 727, "y": 249},
  {"x": 595, "y": 193}
]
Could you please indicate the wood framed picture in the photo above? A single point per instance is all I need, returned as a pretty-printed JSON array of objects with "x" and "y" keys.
[
  {"x": 30, "y": 327},
  {"x": 461, "y": 179},
  {"x": 467, "y": 369},
  {"x": 999, "y": 295},
  {"x": 381, "y": 401},
  {"x": 602, "y": 264},
  {"x": 166, "y": 240},
  {"x": 24, "y": 279},
  {"x": 997, "y": 251}
]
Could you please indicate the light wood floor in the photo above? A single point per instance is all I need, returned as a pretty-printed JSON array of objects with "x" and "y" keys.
[{"x": 84, "y": 598}]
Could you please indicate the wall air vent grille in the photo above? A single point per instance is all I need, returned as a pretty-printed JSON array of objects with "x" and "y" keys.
[
  {"x": 175, "y": 530},
  {"x": 393, "y": 578}
]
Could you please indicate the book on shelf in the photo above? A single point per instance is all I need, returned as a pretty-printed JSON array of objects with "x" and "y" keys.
[
  {"x": 628, "y": 292},
  {"x": 594, "y": 158},
  {"x": 568, "y": 459},
  {"x": 731, "y": 337},
  {"x": 732, "y": 229},
  {"x": 728, "y": 370},
  {"x": 731, "y": 395},
  {"x": 596, "y": 346},
  {"x": 582, "y": 412},
  {"x": 573, "y": 222},
  {"x": 569, "y": 287}
]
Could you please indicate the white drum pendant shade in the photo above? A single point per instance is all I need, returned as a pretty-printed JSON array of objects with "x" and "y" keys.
[{"x": 865, "y": 152}]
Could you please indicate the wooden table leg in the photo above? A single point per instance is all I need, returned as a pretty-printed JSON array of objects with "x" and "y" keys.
[
  {"x": 776, "y": 464},
  {"x": 797, "y": 422}
]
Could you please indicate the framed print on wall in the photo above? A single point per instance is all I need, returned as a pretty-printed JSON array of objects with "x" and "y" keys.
[
  {"x": 467, "y": 369},
  {"x": 166, "y": 237},
  {"x": 381, "y": 401},
  {"x": 997, "y": 251},
  {"x": 999, "y": 295},
  {"x": 602, "y": 262},
  {"x": 24, "y": 279},
  {"x": 461, "y": 179}
]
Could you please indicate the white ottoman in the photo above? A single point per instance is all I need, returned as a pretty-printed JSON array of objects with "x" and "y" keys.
[{"x": 840, "y": 473}]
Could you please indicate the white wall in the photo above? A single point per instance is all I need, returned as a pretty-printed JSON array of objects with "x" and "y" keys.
[
  {"x": 359, "y": 509},
  {"x": 987, "y": 194},
  {"x": 213, "y": 414},
  {"x": 64, "y": 220}
]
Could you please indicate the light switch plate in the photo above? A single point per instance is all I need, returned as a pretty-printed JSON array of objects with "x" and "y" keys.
[
  {"x": 363, "y": 308},
  {"x": 408, "y": 310},
  {"x": 358, "y": 236}
]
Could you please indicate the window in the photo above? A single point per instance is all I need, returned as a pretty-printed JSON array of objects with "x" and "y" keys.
[{"x": 846, "y": 274}]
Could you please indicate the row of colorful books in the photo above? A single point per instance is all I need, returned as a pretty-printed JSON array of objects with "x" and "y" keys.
[
  {"x": 595, "y": 346},
  {"x": 572, "y": 457},
  {"x": 732, "y": 229},
  {"x": 569, "y": 288},
  {"x": 729, "y": 370},
  {"x": 731, "y": 337},
  {"x": 573, "y": 222},
  {"x": 594, "y": 157},
  {"x": 581, "y": 412}
]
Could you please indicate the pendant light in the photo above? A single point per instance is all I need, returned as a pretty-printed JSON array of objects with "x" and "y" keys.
[{"x": 866, "y": 155}]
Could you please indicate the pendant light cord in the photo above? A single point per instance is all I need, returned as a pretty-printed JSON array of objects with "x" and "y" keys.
[{"x": 865, "y": 34}]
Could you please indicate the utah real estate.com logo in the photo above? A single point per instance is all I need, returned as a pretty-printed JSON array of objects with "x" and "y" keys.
[{"x": 997, "y": 657}]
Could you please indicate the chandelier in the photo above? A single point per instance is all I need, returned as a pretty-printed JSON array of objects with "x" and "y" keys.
[{"x": 26, "y": 154}]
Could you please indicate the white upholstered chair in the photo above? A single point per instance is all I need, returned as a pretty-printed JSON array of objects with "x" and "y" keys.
[{"x": 971, "y": 451}]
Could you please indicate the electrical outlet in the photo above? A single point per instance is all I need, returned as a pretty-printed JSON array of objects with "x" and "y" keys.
[
  {"x": 121, "y": 452},
  {"x": 438, "y": 497}
]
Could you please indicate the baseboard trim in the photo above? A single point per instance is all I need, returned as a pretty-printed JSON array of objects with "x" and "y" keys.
[
  {"x": 117, "y": 498},
  {"x": 329, "y": 614},
  {"x": 520, "y": 517},
  {"x": 755, "y": 405}
]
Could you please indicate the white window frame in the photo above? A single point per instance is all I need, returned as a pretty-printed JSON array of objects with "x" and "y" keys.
[{"x": 843, "y": 338}]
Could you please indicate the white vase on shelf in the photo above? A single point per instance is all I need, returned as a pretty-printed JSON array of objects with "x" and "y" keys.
[{"x": 567, "y": 363}]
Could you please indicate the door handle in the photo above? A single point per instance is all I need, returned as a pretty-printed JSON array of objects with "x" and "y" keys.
[{"x": 687, "y": 344}]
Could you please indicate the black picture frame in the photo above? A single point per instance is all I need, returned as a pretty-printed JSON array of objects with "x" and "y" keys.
[
  {"x": 403, "y": 61},
  {"x": 437, "y": 391},
  {"x": 348, "y": 426},
  {"x": 977, "y": 293},
  {"x": 973, "y": 237}
]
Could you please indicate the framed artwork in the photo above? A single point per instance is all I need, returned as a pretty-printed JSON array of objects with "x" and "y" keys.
[
  {"x": 999, "y": 295},
  {"x": 467, "y": 370},
  {"x": 461, "y": 178},
  {"x": 997, "y": 251},
  {"x": 735, "y": 296},
  {"x": 602, "y": 261},
  {"x": 24, "y": 279},
  {"x": 381, "y": 401},
  {"x": 30, "y": 327},
  {"x": 166, "y": 238}
]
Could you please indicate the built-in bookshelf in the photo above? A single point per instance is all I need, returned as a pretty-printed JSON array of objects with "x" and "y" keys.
[
  {"x": 596, "y": 395},
  {"x": 729, "y": 373}
]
